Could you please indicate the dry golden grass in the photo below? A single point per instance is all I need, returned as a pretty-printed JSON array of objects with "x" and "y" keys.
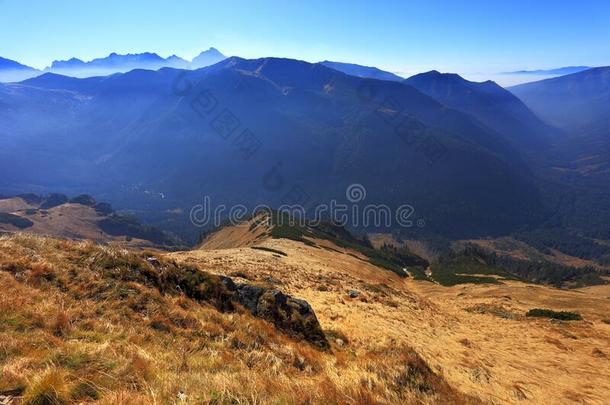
[
  {"x": 79, "y": 324},
  {"x": 476, "y": 336}
]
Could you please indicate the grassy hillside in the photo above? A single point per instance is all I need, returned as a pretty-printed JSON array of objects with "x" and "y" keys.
[
  {"x": 81, "y": 322},
  {"x": 81, "y": 217},
  {"x": 389, "y": 258}
]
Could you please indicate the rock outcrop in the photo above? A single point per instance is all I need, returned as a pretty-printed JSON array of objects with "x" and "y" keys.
[{"x": 291, "y": 315}]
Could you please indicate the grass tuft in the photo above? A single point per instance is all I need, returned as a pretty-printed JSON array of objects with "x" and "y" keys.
[
  {"x": 61, "y": 326},
  {"x": 49, "y": 388}
]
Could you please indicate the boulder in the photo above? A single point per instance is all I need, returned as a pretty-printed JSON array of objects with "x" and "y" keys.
[
  {"x": 353, "y": 293},
  {"x": 291, "y": 315}
]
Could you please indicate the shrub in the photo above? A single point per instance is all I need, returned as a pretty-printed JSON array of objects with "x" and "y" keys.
[
  {"x": 41, "y": 271},
  {"x": 335, "y": 334},
  {"x": 62, "y": 324},
  {"x": 84, "y": 391},
  {"x": 161, "y": 324},
  {"x": 50, "y": 388},
  {"x": 548, "y": 313},
  {"x": 15, "y": 220},
  {"x": 279, "y": 252},
  {"x": 138, "y": 370}
]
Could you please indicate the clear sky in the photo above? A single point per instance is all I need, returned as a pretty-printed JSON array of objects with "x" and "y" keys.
[{"x": 475, "y": 38}]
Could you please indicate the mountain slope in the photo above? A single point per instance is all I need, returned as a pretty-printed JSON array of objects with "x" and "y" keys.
[
  {"x": 578, "y": 163},
  {"x": 132, "y": 326},
  {"x": 11, "y": 71},
  {"x": 362, "y": 71},
  {"x": 127, "y": 327},
  {"x": 574, "y": 102},
  {"x": 80, "y": 218},
  {"x": 473, "y": 332},
  {"x": 488, "y": 102},
  {"x": 306, "y": 127}
]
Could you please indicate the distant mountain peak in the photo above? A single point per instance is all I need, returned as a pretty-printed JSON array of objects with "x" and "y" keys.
[
  {"x": 11, "y": 71},
  {"x": 65, "y": 64},
  {"x": 432, "y": 73},
  {"x": 207, "y": 58},
  {"x": 487, "y": 101},
  {"x": 437, "y": 74},
  {"x": 211, "y": 51},
  {"x": 452, "y": 78}
]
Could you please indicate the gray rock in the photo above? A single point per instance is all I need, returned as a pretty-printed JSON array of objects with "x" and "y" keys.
[
  {"x": 291, "y": 315},
  {"x": 153, "y": 261},
  {"x": 353, "y": 293}
]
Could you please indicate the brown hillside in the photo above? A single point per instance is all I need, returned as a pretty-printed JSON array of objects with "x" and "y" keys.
[
  {"x": 476, "y": 336},
  {"x": 81, "y": 322}
]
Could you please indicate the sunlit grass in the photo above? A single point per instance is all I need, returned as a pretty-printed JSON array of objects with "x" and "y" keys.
[{"x": 82, "y": 322}]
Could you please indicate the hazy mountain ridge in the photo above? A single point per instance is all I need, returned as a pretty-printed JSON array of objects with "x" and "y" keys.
[
  {"x": 566, "y": 70},
  {"x": 362, "y": 71},
  {"x": 577, "y": 163},
  {"x": 151, "y": 138},
  {"x": 115, "y": 63},
  {"x": 573, "y": 101},
  {"x": 488, "y": 102},
  {"x": 11, "y": 71}
]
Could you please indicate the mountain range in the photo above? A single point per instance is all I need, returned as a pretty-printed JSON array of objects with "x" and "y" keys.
[
  {"x": 566, "y": 70},
  {"x": 115, "y": 63},
  {"x": 488, "y": 102},
  {"x": 140, "y": 132},
  {"x": 472, "y": 158},
  {"x": 578, "y": 162},
  {"x": 574, "y": 102},
  {"x": 11, "y": 71}
]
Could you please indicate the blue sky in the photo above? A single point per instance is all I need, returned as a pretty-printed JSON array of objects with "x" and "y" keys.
[{"x": 474, "y": 38}]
